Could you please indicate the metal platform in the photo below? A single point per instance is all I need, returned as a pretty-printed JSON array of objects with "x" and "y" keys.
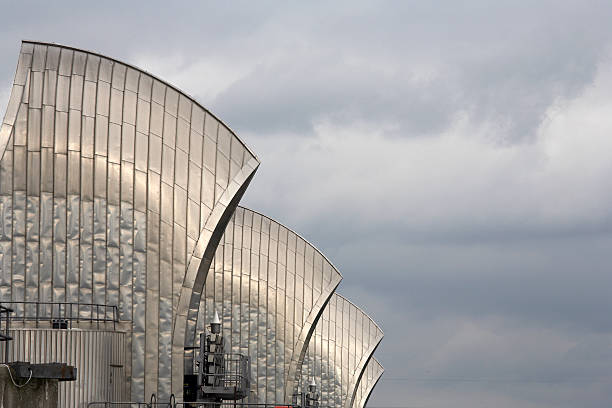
[{"x": 49, "y": 371}]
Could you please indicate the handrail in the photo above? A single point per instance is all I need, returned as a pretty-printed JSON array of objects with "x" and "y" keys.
[
  {"x": 234, "y": 373},
  {"x": 62, "y": 313},
  {"x": 174, "y": 404},
  {"x": 5, "y": 337}
]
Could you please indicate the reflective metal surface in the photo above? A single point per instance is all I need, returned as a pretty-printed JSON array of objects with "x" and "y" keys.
[
  {"x": 114, "y": 188},
  {"x": 119, "y": 190},
  {"x": 99, "y": 356},
  {"x": 372, "y": 373},
  {"x": 269, "y": 286},
  {"x": 344, "y": 341}
]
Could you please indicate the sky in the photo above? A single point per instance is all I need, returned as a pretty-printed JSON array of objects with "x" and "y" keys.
[{"x": 451, "y": 158}]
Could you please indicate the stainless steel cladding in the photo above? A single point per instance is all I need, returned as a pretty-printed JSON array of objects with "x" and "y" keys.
[
  {"x": 372, "y": 373},
  {"x": 269, "y": 285},
  {"x": 344, "y": 341},
  {"x": 119, "y": 192},
  {"x": 114, "y": 189},
  {"x": 98, "y": 355}
]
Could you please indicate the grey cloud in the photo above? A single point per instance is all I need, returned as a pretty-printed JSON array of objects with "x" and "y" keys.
[
  {"x": 419, "y": 69},
  {"x": 293, "y": 97},
  {"x": 561, "y": 284},
  {"x": 415, "y": 67},
  {"x": 471, "y": 360},
  {"x": 125, "y": 30}
]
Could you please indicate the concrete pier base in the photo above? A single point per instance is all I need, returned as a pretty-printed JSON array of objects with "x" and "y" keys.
[{"x": 39, "y": 392}]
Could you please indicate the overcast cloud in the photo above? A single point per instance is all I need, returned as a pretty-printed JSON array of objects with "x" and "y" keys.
[{"x": 451, "y": 158}]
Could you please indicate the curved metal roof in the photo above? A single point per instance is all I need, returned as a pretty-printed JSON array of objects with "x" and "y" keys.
[
  {"x": 168, "y": 84},
  {"x": 116, "y": 186}
]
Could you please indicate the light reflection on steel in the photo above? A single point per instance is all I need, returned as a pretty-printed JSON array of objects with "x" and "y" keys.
[
  {"x": 372, "y": 373},
  {"x": 117, "y": 189},
  {"x": 114, "y": 188},
  {"x": 269, "y": 286},
  {"x": 344, "y": 341}
]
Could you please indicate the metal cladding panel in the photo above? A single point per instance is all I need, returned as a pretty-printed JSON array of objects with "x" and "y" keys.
[
  {"x": 372, "y": 373},
  {"x": 255, "y": 285},
  {"x": 114, "y": 187},
  {"x": 99, "y": 357},
  {"x": 339, "y": 351}
]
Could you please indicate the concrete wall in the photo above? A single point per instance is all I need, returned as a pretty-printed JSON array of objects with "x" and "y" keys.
[{"x": 37, "y": 393}]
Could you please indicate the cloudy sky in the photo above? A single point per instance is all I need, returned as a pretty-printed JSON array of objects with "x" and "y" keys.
[{"x": 453, "y": 159}]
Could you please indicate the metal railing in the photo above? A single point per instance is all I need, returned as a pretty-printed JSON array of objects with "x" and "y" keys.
[
  {"x": 229, "y": 405},
  {"x": 5, "y": 314},
  {"x": 130, "y": 404},
  {"x": 111, "y": 404},
  {"x": 235, "y": 373},
  {"x": 61, "y": 315},
  {"x": 172, "y": 403}
]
